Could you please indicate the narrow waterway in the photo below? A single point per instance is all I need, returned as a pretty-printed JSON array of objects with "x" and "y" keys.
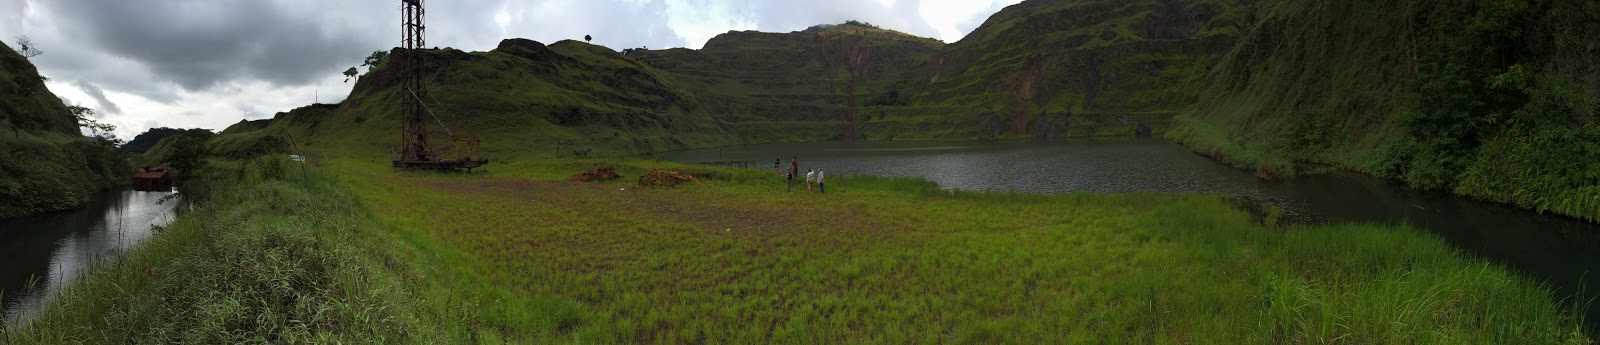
[
  {"x": 1560, "y": 251},
  {"x": 43, "y": 254}
]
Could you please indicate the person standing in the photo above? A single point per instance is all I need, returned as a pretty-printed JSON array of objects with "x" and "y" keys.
[
  {"x": 794, "y": 170},
  {"x": 777, "y": 166},
  {"x": 822, "y": 187},
  {"x": 811, "y": 179}
]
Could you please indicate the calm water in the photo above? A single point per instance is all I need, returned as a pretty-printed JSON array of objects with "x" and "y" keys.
[
  {"x": 52, "y": 250},
  {"x": 1561, "y": 251}
]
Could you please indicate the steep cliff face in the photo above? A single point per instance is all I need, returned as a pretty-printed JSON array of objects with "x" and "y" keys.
[
  {"x": 47, "y": 166},
  {"x": 25, "y": 103},
  {"x": 797, "y": 85},
  {"x": 1053, "y": 68},
  {"x": 1494, "y": 99}
]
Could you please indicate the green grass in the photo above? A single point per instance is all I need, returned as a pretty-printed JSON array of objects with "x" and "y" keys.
[
  {"x": 898, "y": 260},
  {"x": 280, "y": 255},
  {"x": 48, "y": 172}
]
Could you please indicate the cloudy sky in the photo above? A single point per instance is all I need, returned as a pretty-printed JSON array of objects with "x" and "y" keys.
[{"x": 210, "y": 63}]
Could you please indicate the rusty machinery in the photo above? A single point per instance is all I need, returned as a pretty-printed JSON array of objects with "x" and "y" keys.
[{"x": 415, "y": 152}]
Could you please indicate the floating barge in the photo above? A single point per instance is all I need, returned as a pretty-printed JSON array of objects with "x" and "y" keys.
[{"x": 153, "y": 180}]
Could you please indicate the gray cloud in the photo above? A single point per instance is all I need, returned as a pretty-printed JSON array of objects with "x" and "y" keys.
[
  {"x": 199, "y": 44},
  {"x": 106, "y": 106}
]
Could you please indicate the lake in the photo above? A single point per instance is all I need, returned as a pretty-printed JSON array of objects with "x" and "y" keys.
[
  {"x": 1560, "y": 251},
  {"x": 44, "y": 253}
]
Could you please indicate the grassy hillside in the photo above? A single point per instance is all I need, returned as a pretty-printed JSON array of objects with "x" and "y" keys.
[
  {"x": 47, "y": 166},
  {"x": 1042, "y": 68},
  {"x": 1493, "y": 99},
  {"x": 792, "y": 86},
  {"x": 523, "y": 99},
  {"x": 25, "y": 103}
]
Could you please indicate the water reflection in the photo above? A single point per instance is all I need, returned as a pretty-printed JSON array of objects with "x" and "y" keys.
[
  {"x": 52, "y": 251},
  {"x": 1560, "y": 251}
]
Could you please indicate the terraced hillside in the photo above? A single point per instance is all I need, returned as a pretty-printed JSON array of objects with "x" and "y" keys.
[
  {"x": 1041, "y": 68},
  {"x": 796, "y": 86},
  {"x": 1076, "y": 68}
]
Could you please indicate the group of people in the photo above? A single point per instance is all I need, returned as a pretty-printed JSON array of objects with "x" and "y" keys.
[{"x": 814, "y": 177}]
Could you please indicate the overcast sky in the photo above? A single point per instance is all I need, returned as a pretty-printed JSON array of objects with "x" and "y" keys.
[{"x": 210, "y": 63}]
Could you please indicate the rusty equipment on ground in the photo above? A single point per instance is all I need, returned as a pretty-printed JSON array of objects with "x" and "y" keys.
[
  {"x": 415, "y": 153},
  {"x": 658, "y": 177},
  {"x": 600, "y": 173}
]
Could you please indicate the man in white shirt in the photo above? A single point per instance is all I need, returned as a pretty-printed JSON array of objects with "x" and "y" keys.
[
  {"x": 811, "y": 178},
  {"x": 821, "y": 187}
]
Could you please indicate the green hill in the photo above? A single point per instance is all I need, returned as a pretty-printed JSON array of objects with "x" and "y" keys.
[
  {"x": 47, "y": 165},
  {"x": 1075, "y": 68},
  {"x": 1494, "y": 99},
  {"x": 149, "y": 138},
  {"x": 523, "y": 99},
  {"x": 1029, "y": 71}
]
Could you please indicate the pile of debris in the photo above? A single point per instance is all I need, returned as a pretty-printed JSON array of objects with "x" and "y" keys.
[
  {"x": 658, "y": 177},
  {"x": 599, "y": 173}
]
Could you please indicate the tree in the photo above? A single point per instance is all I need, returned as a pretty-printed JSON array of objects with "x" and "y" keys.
[
  {"x": 86, "y": 119},
  {"x": 26, "y": 47},
  {"x": 586, "y": 38},
  {"x": 350, "y": 73},
  {"x": 859, "y": 23},
  {"x": 377, "y": 58},
  {"x": 188, "y": 151}
]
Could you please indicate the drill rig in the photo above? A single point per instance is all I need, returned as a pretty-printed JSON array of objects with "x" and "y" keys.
[{"x": 415, "y": 153}]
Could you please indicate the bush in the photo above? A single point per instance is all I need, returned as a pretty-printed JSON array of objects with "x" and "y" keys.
[{"x": 48, "y": 173}]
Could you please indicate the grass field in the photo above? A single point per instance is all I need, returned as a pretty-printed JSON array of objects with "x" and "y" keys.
[{"x": 740, "y": 260}]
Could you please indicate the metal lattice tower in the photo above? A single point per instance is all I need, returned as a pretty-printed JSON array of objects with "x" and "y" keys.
[{"x": 414, "y": 136}]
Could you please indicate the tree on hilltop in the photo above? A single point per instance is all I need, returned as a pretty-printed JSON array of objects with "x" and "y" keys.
[
  {"x": 26, "y": 47},
  {"x": 350, "y": 73},
  {"x": 587, "y": 38},
  {"x": 377, "y": 58},
  {"x": 859, "y": 23}
]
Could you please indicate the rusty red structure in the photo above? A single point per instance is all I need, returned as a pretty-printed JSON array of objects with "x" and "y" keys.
[
  {"x": 415, "y": 152},
  {"x": 153, "y": 180}
]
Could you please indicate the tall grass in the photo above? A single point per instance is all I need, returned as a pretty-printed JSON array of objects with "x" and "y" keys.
[{"x": 278, "y": 254}]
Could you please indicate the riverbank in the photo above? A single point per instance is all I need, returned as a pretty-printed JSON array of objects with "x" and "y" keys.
[
  {"x": 516, "y": 253},
  {"x": 268, "y": 254}
]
